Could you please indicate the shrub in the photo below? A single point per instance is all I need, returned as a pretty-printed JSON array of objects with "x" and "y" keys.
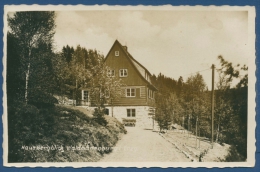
[
  {"x": 99, "y": 116},
  {"x": 42, "y": 100},
  {"x": 234, "y": 155},
  {"x": 26, "y": 125},
  {"x": 20, "y": 124},
  {"x": 32, "y": 126}
]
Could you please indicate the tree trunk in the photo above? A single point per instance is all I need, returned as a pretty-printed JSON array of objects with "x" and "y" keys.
[
  {"x": 191, "y": 132},
  {"x": 27, "y": 75},
  {"x": 189, "y": 127},
  {"x": 199, "y": 133},
  {"x": 217, "y": 134},
  {"x": 62, "y": 92},
  {"x": 218, "y": 130},
  {"x": 112, "y": 108},
  {"x": 196, "y": 130},
  {"x": 183, "y": 124},
  {"x": 76, "y": 89},
  {"x": 26, "y": 82}
]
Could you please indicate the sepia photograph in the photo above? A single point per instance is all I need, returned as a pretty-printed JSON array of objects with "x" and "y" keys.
[{"x": 129, "y": 86}]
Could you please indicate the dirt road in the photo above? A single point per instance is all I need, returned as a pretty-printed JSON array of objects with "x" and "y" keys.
[{"x": 140, "y": 145}]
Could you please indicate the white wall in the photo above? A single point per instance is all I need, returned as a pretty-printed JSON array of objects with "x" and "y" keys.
[{"x": 143, "y": 120}]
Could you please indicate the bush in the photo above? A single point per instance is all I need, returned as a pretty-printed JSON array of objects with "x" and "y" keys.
[
  {"x": 234, "y": 156},
  {"x": 32, "y": 126},
  {"x": 42, "y": 100},
  {"x": 19, "y": 126},
  {"x": 99, "y": 116},
  {"x": 26, "y": 125}
]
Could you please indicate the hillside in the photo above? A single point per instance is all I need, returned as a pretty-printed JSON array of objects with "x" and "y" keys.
[
  {"x": 202, "y": 151},
  {"x": 61, "y": 134}
]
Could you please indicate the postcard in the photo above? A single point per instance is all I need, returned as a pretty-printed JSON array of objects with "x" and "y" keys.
[{"x": 129, "y": 86}]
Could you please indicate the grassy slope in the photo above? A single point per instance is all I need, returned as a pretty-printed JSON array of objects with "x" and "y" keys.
[
  {"x": 72, "y": 127},
  {"x": 219, "y": 153}
]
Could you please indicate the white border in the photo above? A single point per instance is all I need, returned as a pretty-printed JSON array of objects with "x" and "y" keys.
[{"x": 251, "y": 148}]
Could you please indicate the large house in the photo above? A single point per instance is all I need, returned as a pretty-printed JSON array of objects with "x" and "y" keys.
[{"x": 137, "y": 100}]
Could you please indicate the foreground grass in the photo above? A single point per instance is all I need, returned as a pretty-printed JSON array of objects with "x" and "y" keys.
[
  {"x": 58, "y": 134},
  {"x": 202, "y": 151}
]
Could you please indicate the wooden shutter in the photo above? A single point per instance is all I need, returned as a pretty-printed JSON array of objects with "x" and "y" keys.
[
  {"x": 82, "y": 94},
  {"x": 137, "y": 94},
  {"x": 142, "y": 92}
]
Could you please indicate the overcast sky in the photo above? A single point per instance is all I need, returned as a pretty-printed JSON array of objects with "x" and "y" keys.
[{"x": 175, "y": 43}]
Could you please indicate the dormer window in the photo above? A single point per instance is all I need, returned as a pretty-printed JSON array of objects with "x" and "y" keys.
[
  {"x": 146, "y": 76},
  {"x": 123, "y": 72},
  {"x": 116, "y": 53}
]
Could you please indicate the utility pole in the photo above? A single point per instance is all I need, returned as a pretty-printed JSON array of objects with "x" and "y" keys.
[
  {"x": 112, "y": 107},
  {"x": 199, "y": 132},
  {"x": 212, "y": 105},
  {"x": 153, "y": 117},
  {"x": 183, "y": 123},
  {"x": 189, "y": 126},
  {"x": 196, "y": 130}
]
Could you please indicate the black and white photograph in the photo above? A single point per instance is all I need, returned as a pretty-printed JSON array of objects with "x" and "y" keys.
[{"x": 129, "y": 86}]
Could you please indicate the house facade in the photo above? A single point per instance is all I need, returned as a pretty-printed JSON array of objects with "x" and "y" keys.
[{"x": 137, "y": 99}]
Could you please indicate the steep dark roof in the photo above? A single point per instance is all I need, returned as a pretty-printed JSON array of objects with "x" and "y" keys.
[{"x": 135, "y": 64}]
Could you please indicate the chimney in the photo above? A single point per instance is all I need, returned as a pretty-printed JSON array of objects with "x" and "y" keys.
[{"x": 125, "y": 47}]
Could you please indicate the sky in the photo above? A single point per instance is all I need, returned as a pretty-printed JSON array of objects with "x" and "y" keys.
[{"x": 174, "y": 43}]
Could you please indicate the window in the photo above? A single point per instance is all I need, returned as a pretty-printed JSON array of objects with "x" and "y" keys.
[
  {"x": 150, "y": 93},
  {"x": 123, "y": 72},
  {"x": 110, "y": 73},
  {"x": 147, "y": 77},
  {"x": 130, "y": 112},
  {"x": 107, "y": 111},
  {"x": 116, "y": 53},
  {"x": 85, "y": 95},
  {"x": 130, "y": 92}
]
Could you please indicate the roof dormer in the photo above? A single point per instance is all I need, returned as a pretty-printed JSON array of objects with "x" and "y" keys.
[{"x": 116, "y": 53}]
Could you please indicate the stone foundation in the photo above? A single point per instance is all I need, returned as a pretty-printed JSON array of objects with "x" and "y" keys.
[
  {"x": 143, "y": 120},
  {"x": 142, "y": 117}
]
